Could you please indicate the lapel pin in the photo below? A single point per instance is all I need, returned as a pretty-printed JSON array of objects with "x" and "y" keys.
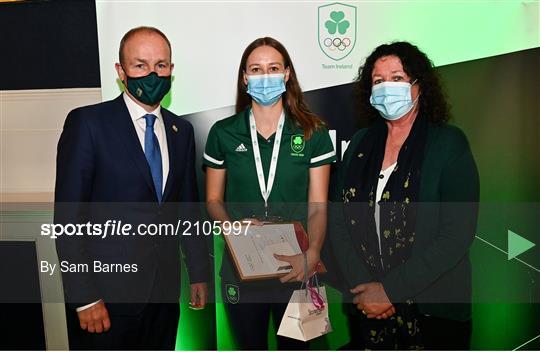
[{"x": 175, "y": 129}]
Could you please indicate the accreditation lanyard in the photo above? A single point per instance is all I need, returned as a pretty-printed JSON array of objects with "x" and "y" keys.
[{"x": 266, "y": 188}]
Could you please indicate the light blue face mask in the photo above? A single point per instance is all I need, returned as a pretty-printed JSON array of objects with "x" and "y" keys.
[
  {"x": 266, "y": 89},
  {"x": 393, "y": 100}
]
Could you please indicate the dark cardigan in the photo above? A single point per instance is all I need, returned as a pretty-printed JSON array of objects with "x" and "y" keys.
[{"x": 438, "y": 273}]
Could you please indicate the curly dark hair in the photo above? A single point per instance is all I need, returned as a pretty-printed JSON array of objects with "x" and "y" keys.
[{"x": 418, "y": 66}]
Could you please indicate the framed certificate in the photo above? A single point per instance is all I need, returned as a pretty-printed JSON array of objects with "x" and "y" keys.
[{"x": 253, "y": 250}]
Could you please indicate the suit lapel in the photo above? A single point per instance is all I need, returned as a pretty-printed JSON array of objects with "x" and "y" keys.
[
  {"x": 170, "y": 132},
  {"x": 123, "y": 125}
]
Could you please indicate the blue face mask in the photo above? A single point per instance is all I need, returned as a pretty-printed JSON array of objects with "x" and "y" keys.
[
  {"x": 393, "y": 100},
  {"x": 266, "y": 89}
]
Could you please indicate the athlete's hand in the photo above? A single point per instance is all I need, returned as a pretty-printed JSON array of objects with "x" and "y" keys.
[{"x": 297, "y": 263}]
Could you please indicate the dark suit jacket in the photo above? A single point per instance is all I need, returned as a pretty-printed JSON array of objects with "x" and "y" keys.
[
  {"x": 437, "y": 275},
  {"x": 102, "y": 174}
]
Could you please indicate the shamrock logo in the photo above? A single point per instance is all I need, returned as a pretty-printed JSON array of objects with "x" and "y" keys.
[
  {"x": 337, "y": 22},
  {"x": 233, "y": 294},
  {"x": 297, "y": 143}
]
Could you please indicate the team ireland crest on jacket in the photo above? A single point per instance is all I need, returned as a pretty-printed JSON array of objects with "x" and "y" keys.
[
  {"x": 298, "y": 144},
  {"x": 232, "y": 293},
  {"x": 337, "y": 30}
]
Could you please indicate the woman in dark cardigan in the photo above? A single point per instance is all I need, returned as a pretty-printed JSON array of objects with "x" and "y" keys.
[{"x": 405, "y": 210}]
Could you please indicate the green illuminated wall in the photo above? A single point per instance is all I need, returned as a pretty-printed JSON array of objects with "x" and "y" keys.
[{"x": 496, "y": 102}]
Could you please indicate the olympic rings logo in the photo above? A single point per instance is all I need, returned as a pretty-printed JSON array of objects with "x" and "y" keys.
[{"x": 337, "y": 43}]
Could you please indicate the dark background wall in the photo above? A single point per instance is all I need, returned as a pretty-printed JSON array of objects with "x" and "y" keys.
[{"x": 49, "y": 44}]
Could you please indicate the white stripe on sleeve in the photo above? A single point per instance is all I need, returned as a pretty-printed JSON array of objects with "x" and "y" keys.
[
  {"x": 212, "y": 160},
  {"x": 322, "y": 157}
]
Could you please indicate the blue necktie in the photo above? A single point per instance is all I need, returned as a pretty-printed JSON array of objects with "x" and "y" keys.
[{"x": 153, "y": 154}]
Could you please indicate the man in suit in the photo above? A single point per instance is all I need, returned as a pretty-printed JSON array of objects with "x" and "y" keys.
[{"x": 129, "y": 160}]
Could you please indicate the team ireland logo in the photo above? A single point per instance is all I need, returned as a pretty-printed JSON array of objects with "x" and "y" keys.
[
  {"x": 337, "y": 30},
  {"x": 232, "y": 293},
  {"x": 297, "y": 143}
]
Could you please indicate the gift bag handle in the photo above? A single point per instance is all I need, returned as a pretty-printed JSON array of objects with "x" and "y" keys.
[
  {"x": 316, "y": 297},
  {"x": 306, "y": 278}
]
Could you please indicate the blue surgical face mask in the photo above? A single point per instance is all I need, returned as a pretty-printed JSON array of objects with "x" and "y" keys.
[
  {"x": 266, "y": 89},
  {"x": 393, "y": 100}
]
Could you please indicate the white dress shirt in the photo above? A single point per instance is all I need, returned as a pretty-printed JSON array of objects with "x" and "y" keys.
[{"x": 137, "y": 116}]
